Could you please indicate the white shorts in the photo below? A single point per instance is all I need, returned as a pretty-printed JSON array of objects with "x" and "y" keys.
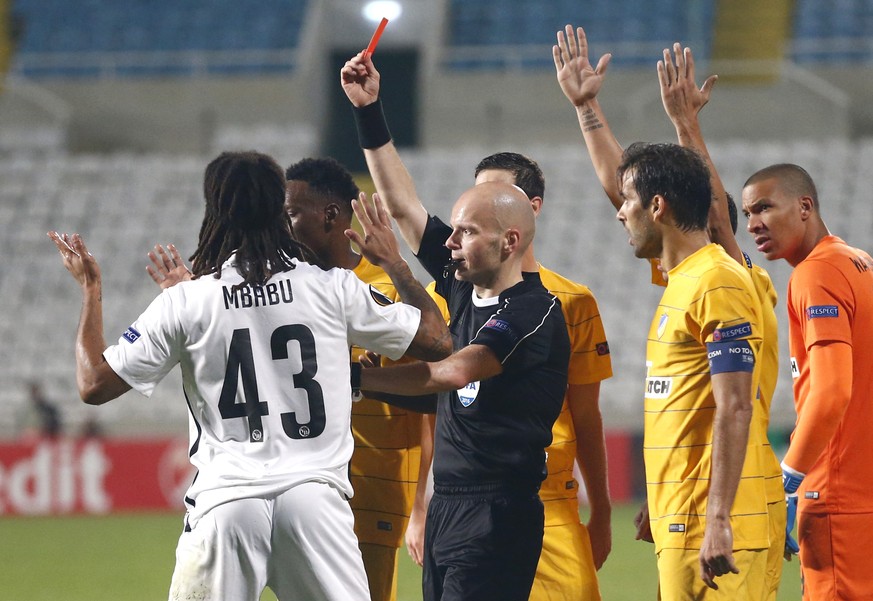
[{"x": 301, "y": 544}]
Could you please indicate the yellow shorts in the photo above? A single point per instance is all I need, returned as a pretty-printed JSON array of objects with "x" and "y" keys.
[
  {"x": 380, "y": 563},
  {"x": 776, "y": 552},
  {"x": 679, "y": 577},
  {"x": 566, "y": 567}
]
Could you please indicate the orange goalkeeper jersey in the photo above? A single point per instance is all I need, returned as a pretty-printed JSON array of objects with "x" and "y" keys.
[{"x": 830, "y": 299}]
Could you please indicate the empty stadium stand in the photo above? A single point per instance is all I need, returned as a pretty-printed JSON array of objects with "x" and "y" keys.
[{"x": 148, "y": 38}]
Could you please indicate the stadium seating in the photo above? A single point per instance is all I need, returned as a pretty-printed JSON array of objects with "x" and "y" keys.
[
  {"x": 833, "y": 32},
  {"x": 161, "y": 29},
  {"x": 633, "y": 30},
  {"x": 125, "y": 203}
]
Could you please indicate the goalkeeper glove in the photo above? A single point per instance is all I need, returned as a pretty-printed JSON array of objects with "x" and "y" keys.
[
  {"x": 791, "y": 480},
  {"x": 791, "y": 546}
]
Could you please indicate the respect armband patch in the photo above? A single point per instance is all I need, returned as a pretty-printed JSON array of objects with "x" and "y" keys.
[
  {"x": 503, "y": 329},
  {"x": 732, "y": 332},
  {"x": 822, "y": 311},
  {"x": 727, "y": 357}
]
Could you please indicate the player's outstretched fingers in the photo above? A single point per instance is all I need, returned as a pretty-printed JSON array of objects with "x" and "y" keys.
[
  {"x": 582, "y": 43},
  {"x": 679, "y": 59},
  {"x": 669, "y": 67},
  {"x": 363, "y": 212},
  {"x": 381, "y": 213}
]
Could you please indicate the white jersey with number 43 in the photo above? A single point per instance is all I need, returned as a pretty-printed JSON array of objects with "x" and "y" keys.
[{"x": 265, "y": 373}]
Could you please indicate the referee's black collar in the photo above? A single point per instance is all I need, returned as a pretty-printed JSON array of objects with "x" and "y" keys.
[{"x": 531, "y": 280}]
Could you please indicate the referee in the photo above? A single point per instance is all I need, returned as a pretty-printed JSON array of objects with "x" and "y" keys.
[{"x": 506, "y": 383}]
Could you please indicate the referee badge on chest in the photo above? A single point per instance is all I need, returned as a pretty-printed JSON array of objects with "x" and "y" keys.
[{"x": 468, "y": 393}]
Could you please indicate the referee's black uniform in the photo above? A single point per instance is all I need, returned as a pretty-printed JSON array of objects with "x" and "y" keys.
[{"x": 484, "y": 529}]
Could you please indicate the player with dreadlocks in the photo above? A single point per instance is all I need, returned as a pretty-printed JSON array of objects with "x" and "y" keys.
[{"x": 263, "y": 347}]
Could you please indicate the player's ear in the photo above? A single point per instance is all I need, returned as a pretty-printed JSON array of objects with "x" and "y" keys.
[
  {"x": 331, "y": 212},
  {"x": 658, "y": 207},
  {"x": 806, "y": 206},
  {"x": 536, "y": 203},
  {"x": 511, "y": 241}
]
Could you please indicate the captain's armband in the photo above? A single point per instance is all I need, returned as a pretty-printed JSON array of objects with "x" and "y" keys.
[{"x": 730, "y": 356}]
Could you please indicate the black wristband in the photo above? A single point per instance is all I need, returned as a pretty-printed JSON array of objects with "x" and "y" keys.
[
  {"x": 372, "y": 127},
  {"x": 355, "y": 377}
]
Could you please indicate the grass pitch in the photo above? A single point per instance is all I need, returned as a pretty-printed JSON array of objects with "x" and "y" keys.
[{"x": 130, "y": 558}]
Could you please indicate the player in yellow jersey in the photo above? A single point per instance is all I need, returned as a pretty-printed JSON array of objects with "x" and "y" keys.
[
  {"x": 384, "y": 467},
  {"x": 682, "y": 101},
  {"x": 706, "y": 502}
]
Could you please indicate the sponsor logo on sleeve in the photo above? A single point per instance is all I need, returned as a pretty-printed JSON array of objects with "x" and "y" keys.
[
  {"x": 676, "y": 527},
  {"x": 131, "y": 335},
  {"x": 795, "y": 371},
  {"x": 811, "y": 494},
  {"x": 732, "y": 332},
  {"x": 468, "y": 393},
  {"x": 602, "y": 348},
  {"x": 822, "y": 311},
  {"x": 381, "y": 299}
]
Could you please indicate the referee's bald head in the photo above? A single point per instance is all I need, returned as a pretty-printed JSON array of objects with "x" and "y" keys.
[{"x": 501, "y": 207}]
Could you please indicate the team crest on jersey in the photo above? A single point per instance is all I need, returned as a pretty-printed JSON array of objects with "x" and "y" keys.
[
  {"x": 795, "y": 371},
  {"x": 131, "y": 335},
  {"x": 662, "y": 325},
  {"x": 381, "y": 299},
  {"x": 468, "y": 393},
  {"x": 602, "y": 348},
  {"x": 822, "y": 311}
]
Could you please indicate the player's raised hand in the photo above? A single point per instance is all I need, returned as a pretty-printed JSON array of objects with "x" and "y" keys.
[
  {"x": 680, "y": 95},
  {"x": 578, "y": 80},
  {"x": 360, "y": 80},
  {"x": 78, "y": 261},
  {"x": 167, "y": 268},
  {"x": 378, "y": 244}
]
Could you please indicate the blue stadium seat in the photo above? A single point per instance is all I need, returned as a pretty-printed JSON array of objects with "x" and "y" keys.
[
  {"x": 608, "y": 23},
  {"x": 95, "y": 26},
  {"x": 833, "y": 32}
]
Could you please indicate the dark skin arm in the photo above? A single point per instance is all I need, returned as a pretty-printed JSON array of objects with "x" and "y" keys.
[{"x": 432, "y": 341}]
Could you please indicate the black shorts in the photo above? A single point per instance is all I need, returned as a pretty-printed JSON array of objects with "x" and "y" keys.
[{"x": 482, "y": 543}]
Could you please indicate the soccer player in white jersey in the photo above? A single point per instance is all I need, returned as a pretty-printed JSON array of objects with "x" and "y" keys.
[{"x": 262, "y": 339}]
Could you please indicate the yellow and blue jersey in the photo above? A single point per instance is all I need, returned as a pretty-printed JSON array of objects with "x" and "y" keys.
[{"x": 708, "y": 322}]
